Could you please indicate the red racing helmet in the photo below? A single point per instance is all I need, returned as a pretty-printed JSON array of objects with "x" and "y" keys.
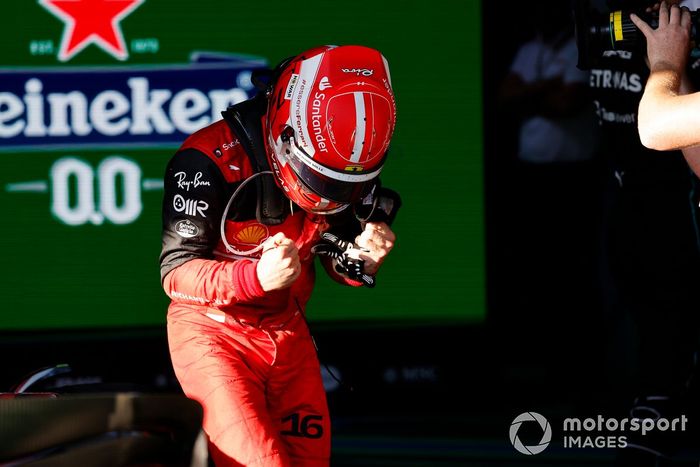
[{"x": 330, "y": 117}]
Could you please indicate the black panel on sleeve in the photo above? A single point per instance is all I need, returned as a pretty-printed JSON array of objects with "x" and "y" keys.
[{"x": 195, "y": 195}]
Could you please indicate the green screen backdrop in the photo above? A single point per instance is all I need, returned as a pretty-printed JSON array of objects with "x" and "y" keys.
[{"x": 96, "y": 95}]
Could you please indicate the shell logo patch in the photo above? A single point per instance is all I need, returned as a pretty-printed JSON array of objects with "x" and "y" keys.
[{"x": 253, "y": 235}]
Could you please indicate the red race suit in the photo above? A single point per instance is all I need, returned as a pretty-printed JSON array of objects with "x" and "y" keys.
[{"x": 244, "y": 354}]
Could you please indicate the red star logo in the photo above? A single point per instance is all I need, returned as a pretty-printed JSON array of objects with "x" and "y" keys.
[{"x": 91, "y": 22}]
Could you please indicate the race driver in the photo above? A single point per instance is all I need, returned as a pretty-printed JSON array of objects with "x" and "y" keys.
[{"x": 249, "y": 202}]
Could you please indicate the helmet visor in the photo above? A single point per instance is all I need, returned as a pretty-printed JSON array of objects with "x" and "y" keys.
[
  {"x": 341, "y": 187},
  {"x": 312, "y": 202}
]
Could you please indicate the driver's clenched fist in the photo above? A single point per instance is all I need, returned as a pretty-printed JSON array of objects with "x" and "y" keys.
[{"x": 279, "y": 264}]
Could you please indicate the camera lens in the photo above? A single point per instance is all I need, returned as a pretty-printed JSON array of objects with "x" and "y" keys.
[{"x": 622, "y": 31}]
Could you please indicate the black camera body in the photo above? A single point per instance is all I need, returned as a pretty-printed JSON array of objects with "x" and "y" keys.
[{"x": 598, "y": 32}]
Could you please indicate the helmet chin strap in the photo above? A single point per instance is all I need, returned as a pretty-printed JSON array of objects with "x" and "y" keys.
[{"x": 229, "y": 248}]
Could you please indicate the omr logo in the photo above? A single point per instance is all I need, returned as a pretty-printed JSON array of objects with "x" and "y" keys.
[{"x": 91, "y": 22}]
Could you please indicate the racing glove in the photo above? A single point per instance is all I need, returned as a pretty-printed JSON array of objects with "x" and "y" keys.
[{"x": 345, "y": 256}]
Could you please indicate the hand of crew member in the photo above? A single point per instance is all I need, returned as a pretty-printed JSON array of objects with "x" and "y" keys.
[
  {"x": 657, "y": 5},
  {"x": 279, "y": 265},
  {"x": 668, "y": 46},
  {"x": 378, "y": 239}
]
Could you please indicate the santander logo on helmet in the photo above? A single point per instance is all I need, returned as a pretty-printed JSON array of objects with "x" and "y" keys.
[
  {"x": 324, "y": 84},
  {"x": 328, "y": 130}
]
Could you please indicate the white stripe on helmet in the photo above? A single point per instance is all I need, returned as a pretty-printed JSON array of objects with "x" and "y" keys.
[
  {"x": 360, "y": 123},
  {"x": 386, "y": 69},
  {"x": 300, "y": 101}
]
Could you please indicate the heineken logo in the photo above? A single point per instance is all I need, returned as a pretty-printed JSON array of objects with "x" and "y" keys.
[
  {"x": 89, "y": 22},
  {"x": 120, "y": 106}
]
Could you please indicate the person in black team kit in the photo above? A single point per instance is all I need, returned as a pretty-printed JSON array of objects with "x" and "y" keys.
[{"x": 650, "y": 237}]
